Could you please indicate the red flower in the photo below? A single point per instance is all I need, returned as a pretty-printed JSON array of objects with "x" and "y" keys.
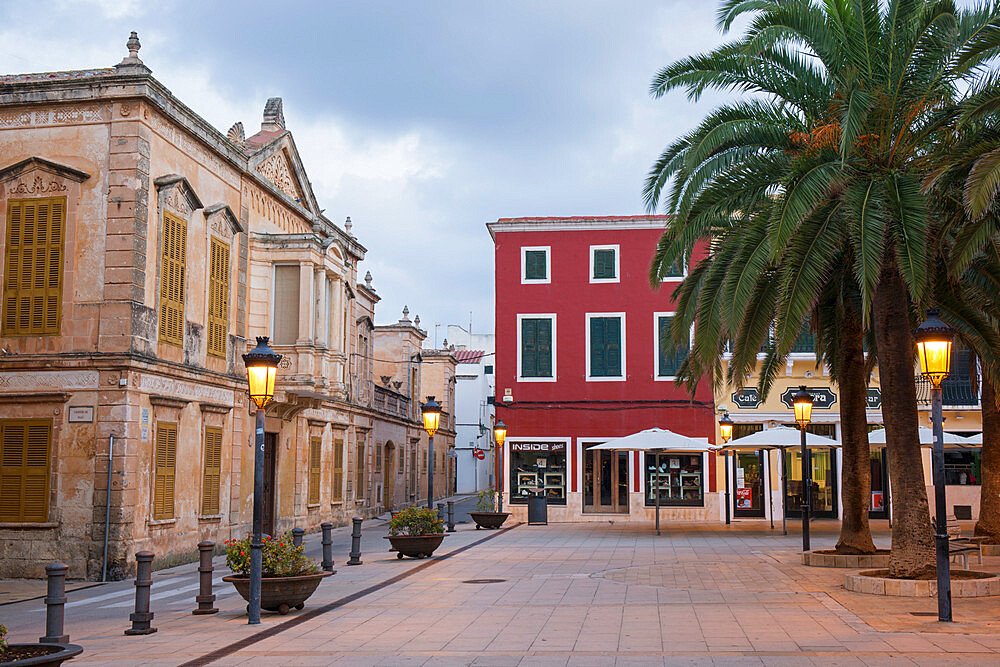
[{"x": 243, "y": 553}]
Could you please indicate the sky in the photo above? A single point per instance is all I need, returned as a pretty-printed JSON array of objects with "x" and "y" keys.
[{"x": 421, "y": 120}]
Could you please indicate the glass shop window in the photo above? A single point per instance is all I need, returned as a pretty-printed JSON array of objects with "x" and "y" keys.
[
  {"x": 962, "y": 468},
  {"x": 538, "y": 467},
  {"x": 679, "y": 479}
]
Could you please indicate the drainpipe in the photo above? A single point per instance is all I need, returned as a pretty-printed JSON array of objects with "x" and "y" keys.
[{"x": 107, "y": 508}]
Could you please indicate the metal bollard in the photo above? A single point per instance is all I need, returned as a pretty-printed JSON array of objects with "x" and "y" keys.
[
  {"x": 205, "y": 597},
  {"x": 440, "y": 511},
  {"x": 297, "y": 534},
  {"x": 327, "y": 546},
  {"x": 142, "y": 617},
  {"x": 55, "y": 599},
  {"x": 451, "y": 516},
  {"x": 355, "y": 543}
]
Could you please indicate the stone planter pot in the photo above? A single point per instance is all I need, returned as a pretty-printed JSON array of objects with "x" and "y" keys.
[
  {"x": 415, "y": 546},
  {"x": 55, "y": 654},
  {"x": 827, "y": 558},
  {"x": 279, "y": 594},
  {"x": 874, "y": 582},
  {"x": 489, "y": 520}
]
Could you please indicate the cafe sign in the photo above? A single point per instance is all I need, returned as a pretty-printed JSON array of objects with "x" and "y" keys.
[
  {"x": 747, "y": 398},
  {"x": 873, "y": 401},
  {"x": 823, "y": 398}
]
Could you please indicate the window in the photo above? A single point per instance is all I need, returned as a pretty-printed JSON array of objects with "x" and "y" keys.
[
  {"x": 212, "y": 472},
  {"x": 604, "y": 265},
  {"x": 538, "y": 465},
  {"x": 535, "y": 265},
  {"x": 25, "y": 446},
  {"x": 378, "y": 459},
  {"x": 286, "y": 304},
  {"x": 399, "y": 462},
  {"x": 218, "y": 298},
  {"x": 32, "y": 286},
  {"x": 668, "y": 357},
  {"x": 338, "y": 471},
  {"x": 315, "y": 452},
  {"x": 605, "y": 346},
  {"x": 488, "y": 370},
  {"x": 423, "y": 462},
  {"x": 963, "y": 468},
  {"x": 165, "y": 462},
  {"x": 536, "y": 353},
  {"x": 173, "y": 260},
  {"x": 679, "y": 479},
  {"x": 359, "y": 491},
  {"x": 675, "y": 272}
]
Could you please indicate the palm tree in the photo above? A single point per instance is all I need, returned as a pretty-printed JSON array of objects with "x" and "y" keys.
[{"x": 870, "y": 86}]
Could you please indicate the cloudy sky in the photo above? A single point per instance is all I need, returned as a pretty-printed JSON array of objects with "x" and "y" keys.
[{"x": 422, "y": 120}]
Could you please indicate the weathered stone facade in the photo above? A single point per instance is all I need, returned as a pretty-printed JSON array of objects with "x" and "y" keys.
[{"x": 143, "y": 180}]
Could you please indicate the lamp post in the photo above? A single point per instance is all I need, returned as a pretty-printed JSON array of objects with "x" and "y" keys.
[
  {"x": 499, "y": 437},
  {"x": 726, "y": 430},
  {"x": 262, "y": 368},
  {"x": 802, "y": 402},
  {"x": 934, "y": 339},
  {"x": 431, "y": 411}
]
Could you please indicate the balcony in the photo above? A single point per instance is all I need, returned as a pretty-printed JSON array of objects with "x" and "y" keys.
[
  {"x": 392, "y": 403},
  {"x": 957, "y": 390}
]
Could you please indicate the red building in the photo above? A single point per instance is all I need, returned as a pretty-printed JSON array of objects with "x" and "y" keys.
[{"x": 583, "y": 355}]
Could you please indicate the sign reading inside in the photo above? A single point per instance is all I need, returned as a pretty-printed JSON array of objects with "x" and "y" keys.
[
  {"x": 823, "y": 398},
  {"x": 747, "y": 398},
  {"x": 538, "y": 446}
]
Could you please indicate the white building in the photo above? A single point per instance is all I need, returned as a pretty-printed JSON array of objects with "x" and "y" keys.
[{"x": 474, "y": 393}]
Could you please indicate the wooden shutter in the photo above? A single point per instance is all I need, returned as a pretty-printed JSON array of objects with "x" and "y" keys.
[
  {"x": 605, "y": 346},
  {"x": 315, "y": 451},
  {"x": 378, "y": 458},
  {"x": 598, "y": 364},
  {"x": 359, "y": 491},
  {"x": 25, "y": 448},
  {"x": 286, "y": 304},
  {"x": 213, "y": 471},
  {"x": 534, "y": 265},
  {"x": 32, "y": 291},
  {"x": 604, "y": 264},
  {"x": 173, "y": 260},
  {"x": 218, "y": 298},
  {"x": 166, "y": 461},
  {"x": 338, "y": 470},
  {"x": 670, "y": 357},
  {"x": 536, "y": 347}
]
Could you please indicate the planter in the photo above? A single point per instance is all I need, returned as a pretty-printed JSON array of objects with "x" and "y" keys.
[
  {"x": 830, "y": 558},
  {"x": 45, "y": 654},
  {"x": 415, "y": 546},
  {"x": 964, "y": 584},
  {"x": 489, "y": 520},
  {"x": 280, "y": 594}
]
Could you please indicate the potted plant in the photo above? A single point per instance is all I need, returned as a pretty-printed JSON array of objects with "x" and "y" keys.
[
  {"x": 289, "y": 576},
  {"x": 486, "y": 515},
  {"x": 35, "y": 654},
  {"x": 415, "y": 532}
]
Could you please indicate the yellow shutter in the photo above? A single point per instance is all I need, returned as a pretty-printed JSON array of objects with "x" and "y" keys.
[
  {"x": 213, "y": 471},
  {"x": 173, "y": 259},
  {"x": 315, "y": 449},
  {"x": 32, "y": 293},
  {"x": 218, "y": 298},
  {"x": 25, "y": 447},
  {"x": 338, "y": 471},
  {"x": 166, "y": 461},
  {"x": 359, "y": 491}
]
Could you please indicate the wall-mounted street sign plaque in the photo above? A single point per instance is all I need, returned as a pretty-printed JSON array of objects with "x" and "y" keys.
[
  {"x": 747, "y": 398},
  {"x": 873, "y": 401},
  {"x": 81, "y": 414},
  {"x": 823, "y": 398}
]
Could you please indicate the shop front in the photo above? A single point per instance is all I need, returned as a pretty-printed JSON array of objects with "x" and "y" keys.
[{"x": 538, "y": 468}]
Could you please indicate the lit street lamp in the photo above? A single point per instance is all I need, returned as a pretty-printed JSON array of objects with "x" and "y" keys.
[
  {"x": 726, "y": 430},
  {"x": 802, "y": 402},
  {"x": 934, "y": 339},
  {"x": 499, "y": 437},
  {"x": 431, "y": 411},
  {"x": 262, "y": 368}
]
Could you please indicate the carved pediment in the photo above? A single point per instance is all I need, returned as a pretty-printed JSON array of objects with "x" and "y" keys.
[
  {"x": 175, "y": 192},
  {"x": 38, "y": 176},
  {"x": 222, "y": 220},
  {"x": 277, "y": 169}
]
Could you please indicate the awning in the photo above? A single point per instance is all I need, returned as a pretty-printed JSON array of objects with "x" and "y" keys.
[
  {"x": 659, "y": 439},
  {"x": 777, "y": 437}
]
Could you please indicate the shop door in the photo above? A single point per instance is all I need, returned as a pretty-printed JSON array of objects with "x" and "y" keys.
[
  {"x": 748, "y": 484},
  {"x": 824, "y": 483},
  {"x": 605, "y": 481},
  {"x": 270, "y": 465},
  {"x": 878, "y": 507}
]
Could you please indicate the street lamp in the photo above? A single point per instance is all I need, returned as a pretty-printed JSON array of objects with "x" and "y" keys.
[
  {"x": 802, "y": 403},
  {"x": 934, "y": 339},
  {"x": 499, "y": 437},
  {"x": 726, "y": 429},
  {"x": 262, "y": 368},
  {"x": 431, "y": 411}
]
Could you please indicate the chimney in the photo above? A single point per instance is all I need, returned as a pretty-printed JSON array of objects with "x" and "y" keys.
[{"x": 274, "y": 117}]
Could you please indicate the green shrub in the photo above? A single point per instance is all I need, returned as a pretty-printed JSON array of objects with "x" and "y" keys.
[
  {"x": 3, "y": 638},
  {"x": 415, "y": 520},
  {"x": 486, "y": 500},
  {"x": 279, "y": 558}
]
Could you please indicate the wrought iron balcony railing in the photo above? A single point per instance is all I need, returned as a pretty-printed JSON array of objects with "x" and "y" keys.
[{"x": 957, "y": 390}]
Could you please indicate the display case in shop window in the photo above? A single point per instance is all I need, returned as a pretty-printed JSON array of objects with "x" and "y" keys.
[{"x": 678, "y": 478}]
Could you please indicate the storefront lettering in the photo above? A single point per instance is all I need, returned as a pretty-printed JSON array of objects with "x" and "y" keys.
[
  {"x": 747, "y": 398},
  {"x": 823, "y": 398},
  {"x": 538, "y": 446}
]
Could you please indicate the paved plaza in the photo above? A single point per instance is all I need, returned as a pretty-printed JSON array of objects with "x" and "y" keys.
[{"x": 563, "y": 594}]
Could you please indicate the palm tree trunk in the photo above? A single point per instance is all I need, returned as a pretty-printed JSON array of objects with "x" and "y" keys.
[
  {"x": 912, "y": 534},
  {"x": 989, "y": 493},
  {"x": 855, "y": 534}
]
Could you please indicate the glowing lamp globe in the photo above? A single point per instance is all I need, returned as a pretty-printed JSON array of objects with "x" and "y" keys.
[
  {"x": 262, "y": 368},
  {"x": 431, "y": 411},
  {"x": 934, "y": 339},
  {"x": 802, "y": 402},
  {"x": 500, "y": 432},
  {"x": 726, "y": 427}
]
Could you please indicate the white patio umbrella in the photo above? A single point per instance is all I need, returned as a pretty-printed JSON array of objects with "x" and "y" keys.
[
  {"x": 976, "y": 439},
  {"x": 926, "y": 438},
  {"x": 658, "y": 440}
]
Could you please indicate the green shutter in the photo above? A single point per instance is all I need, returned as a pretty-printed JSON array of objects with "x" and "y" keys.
[
  {"x": 544, "y": 347},
  {"x": 534, "y": 265},
  {"x": 536, "y": 347},
  {"x": 605, "y": 347},
  {"x": 598, "y": 365},
  {"x": 670, "y": 357},
  {"x": 604, "y": 264}
]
